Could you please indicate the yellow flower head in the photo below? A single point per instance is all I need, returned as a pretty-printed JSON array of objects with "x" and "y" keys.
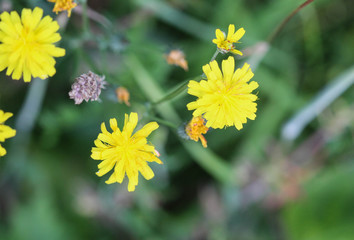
[
  {"x": 63, "y": 5},
  {"x": 5, "y": 131},
  {"x": 26, "y": 44},
  {"x": 128, "y": 153},
  {"x": 226, "y": 45},
  {"x": 225, "y": 98},
  {"x": 196, "y": 128}
]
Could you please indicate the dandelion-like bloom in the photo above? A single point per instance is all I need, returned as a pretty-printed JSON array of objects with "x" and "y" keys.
[
  {"x": 177, "y": 58},
  {"x": 196, "y": 128},
  {"x": 87, "y": 87},
  {"x": 5, "y": 131},
  {"x": 128, "y": 153},
  {"x": 225, "y": 98},
  {"x": 63, "y": 5},
  {"x": 227, "y": 45},
  {"x": 123, "y": 95},
  {"x": 27, "y": 44}
]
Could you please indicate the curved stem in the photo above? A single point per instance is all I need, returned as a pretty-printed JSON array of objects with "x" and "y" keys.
[
  {"x": 286, "y": 20},
  {"x": 183, "y": 86},
  {"x": 180, "y": 89},
  {"x": 164, "y": 122}
]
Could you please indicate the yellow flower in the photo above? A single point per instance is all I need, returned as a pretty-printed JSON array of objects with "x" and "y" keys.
[
  {"x": 225, "y": 98},
  {"x": 195, "y": 128},
  {"x": 127, "y": 153},
  {"x": 63, "y": 5},
  {"x": 26, "y": 44},
  {"x": 226, "y": 45},
  {"x": 5, "y": 131}
]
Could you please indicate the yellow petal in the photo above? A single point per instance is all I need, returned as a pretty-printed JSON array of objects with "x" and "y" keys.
[
  {"x": 146, "y": 130},
  {"x": 146, "y": 171},
  {"x": 235, "y": 51},
  {"x": 220, "y": 35},
  {"x": 231, "y": 31},
  {"x": 2, "y": 151},
  {"x": 238, "y": 35}
]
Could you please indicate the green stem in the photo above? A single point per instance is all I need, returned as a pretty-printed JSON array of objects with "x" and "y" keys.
[
  {"x": 183, "y": 86},
  {"x": 174, "y": 93},
  {"x": 164, "y": 122},
  {"x": 85, "y": 20},
  {"x": 215, "y": 55}
]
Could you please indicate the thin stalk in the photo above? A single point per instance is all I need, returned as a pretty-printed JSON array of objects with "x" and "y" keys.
[
  {"x": 175, "y": 92},
  {"x": 164, "y": 122},
  {"x": 215, "y": 55},
  {"x": 263, "y": 47},
  {"x": 183, "y": 86},
  {"x": 286, "y": 20},
  {"x": 85, "y": 20}
]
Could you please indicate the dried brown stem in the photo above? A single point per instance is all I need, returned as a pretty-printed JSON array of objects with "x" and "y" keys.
[{"x": 286, "y": 20}]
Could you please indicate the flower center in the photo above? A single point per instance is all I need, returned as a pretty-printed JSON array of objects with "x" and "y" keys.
[
  {"x": 27, "y": 34},
  {"x": 27, "y": 39},
  {"x": 228, "y": 45}
]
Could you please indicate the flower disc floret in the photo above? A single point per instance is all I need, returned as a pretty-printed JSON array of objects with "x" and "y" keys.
[
  {"x": 225, "y": 43},
  {"x": 27, "y": 44},
  {"x": 195, "y": 130},
  {"x": 128, "y": 153},
  {"x": 225, "y": 98},
  {"x": 5, "y": 131}
]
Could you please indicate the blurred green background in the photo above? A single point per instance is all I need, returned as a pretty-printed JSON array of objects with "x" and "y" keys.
[{"x": 283, "y": 176}]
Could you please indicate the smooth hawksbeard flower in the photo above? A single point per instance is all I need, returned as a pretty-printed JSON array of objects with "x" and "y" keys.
[
  {"x": 225, "y": 98},
  {"x": 63, "y": 5},
  {"x": 5, "y": 131},
  {"x": 225, "y": 43},
  {"x": 196, "y": 128},
  {"x": 26, "y": 44},
  {"x": 87, "y": 87},
  {"x": 128, "y": 153}
]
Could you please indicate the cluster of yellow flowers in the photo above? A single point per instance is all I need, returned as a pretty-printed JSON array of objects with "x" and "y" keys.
[
  {"x": 224, "y": 99},
  {"x": 27, "y": 49},
  {"x": 224, "y": 96}
]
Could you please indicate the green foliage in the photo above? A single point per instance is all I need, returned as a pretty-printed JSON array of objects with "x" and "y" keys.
[
  {"x": 48, "y": 186},
  {"x": 325, "y": 210}
]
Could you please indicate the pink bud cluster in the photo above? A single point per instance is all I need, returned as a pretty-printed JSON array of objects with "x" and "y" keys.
[{"x": 87, "y": 87}]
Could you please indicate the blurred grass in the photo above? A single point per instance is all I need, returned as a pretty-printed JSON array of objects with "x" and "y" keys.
[{"x": 230, "y": 190}]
